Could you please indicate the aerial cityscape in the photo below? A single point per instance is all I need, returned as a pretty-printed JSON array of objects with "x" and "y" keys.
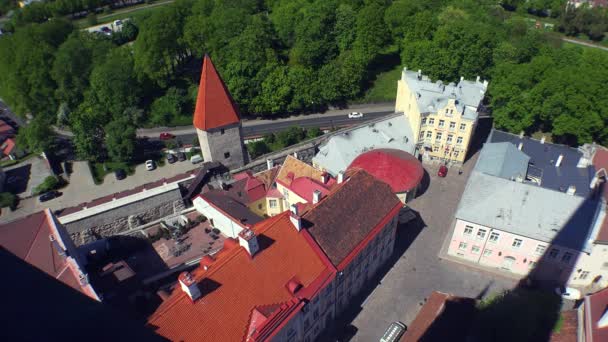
[{"x": 304, "y": 170}]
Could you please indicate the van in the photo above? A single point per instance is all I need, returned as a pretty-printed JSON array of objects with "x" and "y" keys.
[
  {"x": 196, "y": 159},
  {"x": 394, "y": 332}
]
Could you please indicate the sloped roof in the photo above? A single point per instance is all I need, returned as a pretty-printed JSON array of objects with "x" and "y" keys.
[
  {"x": 215, "y": 107},
  {"x": 236, "y": 284},
  {"x": 42, "y": 242},
  {"x": 345, "y": 218},
  {"x": 341, "y": 149},
  {"x": 596, "y": 307},
  {"x": 226, "y": 203},
  {"x": 528, "y": 210},
  {"x": 397, "y": 168},
  {"x": 502, "y": 160},
  {"x": 600, "y": 160},
  {"x": 294, "y": 168}
]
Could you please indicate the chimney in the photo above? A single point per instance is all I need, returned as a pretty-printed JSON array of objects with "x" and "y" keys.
[
  {"x": 340, "y": 177},
  {"x": 559, "y": 160},
  {"x": 269, "y": 164},
  {"x": 419, "y": 74},
  {"x": 294, "y": 217},
  {"x": 295, "y": 155},
  {"x": 594, "y": 181},
  {"x": 403, "y": 73},
  {"x": 324, "y": 177},
  {"x": 461, "y": 78},
  {"x": 521, "y": 135},
  {"x": 485, "y": 83},
  {"x": 249, "y": 241},
  {"x": 189, "y": 286},
  {"x": 542, "y": 140},
  {"x": 603, "y": 321},
  {"x": 316, "y": 196},
  {"x": 571, "y": 190},
  {"x": 477, "y": 79},
  {"x": 520, "y": 146}
]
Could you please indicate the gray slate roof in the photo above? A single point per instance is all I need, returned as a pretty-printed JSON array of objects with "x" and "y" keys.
[
  {"x": 528, "y": 210},
  {"x": 502, "y": 160},
  {"x": 542, "y": 163},
  {"x": 433, "y": 96},
  {"x": 340, "y": 150}
]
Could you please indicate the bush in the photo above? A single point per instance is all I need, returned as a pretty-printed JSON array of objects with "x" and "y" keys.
[
  {"x": 8, "y": 200},
  {"x": 92, "y": 19},
  {"x": 49, "y": 183}
]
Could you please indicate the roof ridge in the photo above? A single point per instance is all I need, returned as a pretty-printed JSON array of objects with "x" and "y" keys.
[{"x": 34, "y": 239}]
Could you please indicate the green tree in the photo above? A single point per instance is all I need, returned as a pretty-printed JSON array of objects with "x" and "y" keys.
[
  {"x": 257, "y": 148},
  {"x": 120, "y": 139},
  {"x": 372, "y": 33},
  {"x": 37, "y": 136},
  {"x": 168, "y": 107},
  {"x": 314, "y": 35}
]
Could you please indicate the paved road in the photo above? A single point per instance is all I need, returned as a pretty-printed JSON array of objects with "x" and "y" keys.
[
  {"x": 578, "y": 42},
  {"x": 417, "y": 270}
]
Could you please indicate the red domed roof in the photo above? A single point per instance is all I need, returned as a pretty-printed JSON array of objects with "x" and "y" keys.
[{"x": 399, "y": 169}]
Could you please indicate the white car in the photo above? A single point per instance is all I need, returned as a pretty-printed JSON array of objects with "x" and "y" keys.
[
  {"x": 150, "y": 165},
  {"x": 568, "y": 293},
  {"x": 355, "y": 115}
]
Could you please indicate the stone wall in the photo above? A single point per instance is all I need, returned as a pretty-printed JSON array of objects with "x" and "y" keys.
[{"x": 126, "y": 217}]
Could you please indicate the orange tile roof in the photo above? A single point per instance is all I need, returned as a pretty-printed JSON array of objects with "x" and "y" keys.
[
  {"x": 238, "y": 284},
  {"x": 293, "y": 168},
  {"x": 215, "y": 107}
]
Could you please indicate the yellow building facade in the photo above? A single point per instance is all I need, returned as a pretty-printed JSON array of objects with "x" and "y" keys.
[{"x": 443, "y": 117}]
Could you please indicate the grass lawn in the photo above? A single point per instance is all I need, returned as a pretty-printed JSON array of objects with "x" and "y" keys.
[
  {"x": 99, "y": 172},
  {"x": 9, "y": 162},
  {"x": 128, "y": 12},
  {"x": 384, "y": 88}
]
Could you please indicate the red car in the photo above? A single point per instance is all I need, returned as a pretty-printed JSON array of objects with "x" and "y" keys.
[
  {"x": 443, "y": 171},
  {"x": 166, "y": 136}
]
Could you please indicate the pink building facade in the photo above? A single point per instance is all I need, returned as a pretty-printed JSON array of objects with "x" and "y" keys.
[{"x": 510, "y": 252}]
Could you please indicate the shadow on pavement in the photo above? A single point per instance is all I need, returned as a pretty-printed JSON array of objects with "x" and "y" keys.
[{"x": 18, "y": 178}]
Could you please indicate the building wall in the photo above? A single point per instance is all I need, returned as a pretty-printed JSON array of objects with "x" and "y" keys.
[
  {"x": 406, "y": 103},
  {"x": 595, "y": 265},
  {"x": 221, "y": 221},
  {"x": 274, "y": 210},
  {"x": 217, "y": 142},
  {"x": 478, "y": 247},
  {"x": 289, "y": 197},
  {"x": 259, "y": 207}
]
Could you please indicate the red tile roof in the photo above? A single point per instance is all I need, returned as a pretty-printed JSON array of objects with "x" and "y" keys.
[
  {"x": 237, "y": 284},
  {"x": 399, "y": 169},
  {"x": 596, "y": 305},
  {"x": 215, "y": 107},
  {"x": 304, "y": 187},
  {"x": 253, "y": 187},
  {"x": 343, "y": 222},
  {"x": 600, "y": 160},
  {"x": 7, "y": 146},
  {"x": 30, "y": 239}
]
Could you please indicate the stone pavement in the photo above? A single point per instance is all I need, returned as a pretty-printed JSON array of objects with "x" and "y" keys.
[
  {"x": 417, "y": 269},
  {"x": 81, "y": 187}
]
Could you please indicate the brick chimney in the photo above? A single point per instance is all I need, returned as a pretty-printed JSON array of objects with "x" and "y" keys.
[
  {"x": 316, "y": 196},
  {"x": 294, "y": 217},
  {"x": 189, "y": 286},
  {"x": 249, "y": 241}
]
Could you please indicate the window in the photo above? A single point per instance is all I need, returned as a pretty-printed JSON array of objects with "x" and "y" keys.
[
  {"x": 540, "y": 249},
  {"x": 222, "y": 131},
  {"x": 462, "y": 246},
  {"x": 441, "y": 123},
  {"x": 260, "y": 206},
  {"x": 463, "y": 127},
  {"x": 553, "y": 253},
  {"x": 436, "y": 149},
  {"x": 429, "y": 134},
  {"x": 481, "y": 234},
  {"x": 421, "y": 134},
  {"x": 438, "y": 136},
  {"x": 516, "y": 243},
  {"x": 449, "y": 140},
  {"x": 566, "y": 257},
  {"x": 431, "y": 121},
  {"x": 423, "y": 121},
  {"x": 456, "y": 154},
  {"x": 494, "y": 237},
  {"x": 468, "y": 230},
  {"x": 452, "y": 125},
  {"x": 459, "y": 140},
  {"x": 487, "y": 252},
  {"x": 532, "y": 264},
  {"x": 584, "y": 275},
  {"x": 272, "y": 203},
  {"x": 286, "y": 193},
  {"x": 226, "y": 155},
  {"x": 475, "y": 250}
]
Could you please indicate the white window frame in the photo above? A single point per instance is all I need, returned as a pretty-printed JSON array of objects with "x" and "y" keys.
[
  {"x": 449, "y": 138},
  {"x": 475, "y": 249},
  {"x": 441, "y": 123},
  {"x": 459, "y": 140},
  {"x": 584, "y": 275},
  {"x": 481, "y": 234},
  {"x": 438, "y": 136},
  {"x": 517, "y": 243},
  {"x": 463, "y": 246},
  {"x": 540, "y": 249},
  {"x": 452, "y": 125},
  {"x": 272, "y": 203},
  {"x": 465, "y": 233},
  {"x": 487, "y": 252},
  {"x": 463, "y": 126},
  {"x": 429, "y": 134},
  {"x": 497, "y": 235}
]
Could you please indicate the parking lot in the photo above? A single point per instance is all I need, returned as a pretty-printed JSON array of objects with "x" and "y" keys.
[{"x": 416, "y": 269}]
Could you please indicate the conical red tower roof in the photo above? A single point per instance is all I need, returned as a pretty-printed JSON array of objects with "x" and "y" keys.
[{"x": 214, "y": 105}]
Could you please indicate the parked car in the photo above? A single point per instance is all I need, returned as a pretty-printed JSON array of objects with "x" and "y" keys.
[
  {"x": 181, "y": 156},
  {"x": 166, "y": 136},
  {"x": 568, "y": 293},
  {"x": 150, "y": 165},
  {"x": 47, "y": 196},
  {"x": 394, "y": 332},
  {"x": 120, "y": 174},
  {"x": 171, "y": 158},
  {"x": 196, "y": 159},
  {"x": 443, "y": 171},
  {"x": 355, "y": 115},
  {"x": 117, "y": 22},
  {"x": 106, "y": 30}
]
